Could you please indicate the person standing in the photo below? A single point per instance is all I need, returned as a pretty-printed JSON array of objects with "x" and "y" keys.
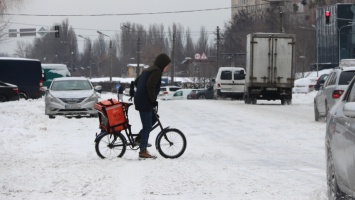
[
  {"x": 120, "y": 92},
  {"x": 131, "y": 91},
  {"x": 145, "y": 98}
]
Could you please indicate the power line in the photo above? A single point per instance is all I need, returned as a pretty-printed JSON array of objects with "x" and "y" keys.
[
  {"x": 117, "y": 14},
  {"x": 131, "y": 14}
]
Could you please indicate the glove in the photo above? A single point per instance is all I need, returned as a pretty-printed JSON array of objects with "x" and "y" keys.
[{"x": 155, "y": 104}]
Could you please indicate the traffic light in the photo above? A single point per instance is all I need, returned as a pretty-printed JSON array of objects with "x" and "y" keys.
[
  {"x": 327, "y": 17},
  {"x": 56, "y": 34}
]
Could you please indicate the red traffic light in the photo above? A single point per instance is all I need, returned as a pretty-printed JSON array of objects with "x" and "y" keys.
[
  {"x": 327, "y": 13},
  {"x": 327, "y": 17}
]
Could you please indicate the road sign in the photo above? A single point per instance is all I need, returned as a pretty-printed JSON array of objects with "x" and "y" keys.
[
  {"x": 27, "y": 32},
  {"x": 200, "y": 56},
  {"x": 42, "y": 32},
  {"x": 204, "y": 57},
  {"x": 12, "y": 32}
]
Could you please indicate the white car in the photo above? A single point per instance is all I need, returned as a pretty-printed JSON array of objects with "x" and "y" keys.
[
  {"x": 184, "y": 94},
  {"x": 166, "y": 92},
  {"x": 71, "y": 96},
  {"x": 304, "y": 85}
]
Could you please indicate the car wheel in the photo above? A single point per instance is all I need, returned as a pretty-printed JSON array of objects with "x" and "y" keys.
[
  {"x": 289, "y": 102},
  {"x": 253, "y": 101},
  {"x": 334, "y": 191},
  {"x": 282, "y": 101},
  {"x": 202, "y": 97},
  {"x": 51, "y": 116},
  {"x": 316, "y": 113},
  {"x": 3, "y": 98}
]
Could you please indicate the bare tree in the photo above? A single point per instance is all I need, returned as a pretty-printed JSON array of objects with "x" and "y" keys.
[{"x": 6, "y": 5}]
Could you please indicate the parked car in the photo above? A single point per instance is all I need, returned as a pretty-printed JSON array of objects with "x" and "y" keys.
[
  {"x": 8, "y": 92},
  {"x": 332, "y": 89},
  {"x": 71, "y": 96},
  {"x": 340, "y": 147},
  {"x": 320, "y": 81},
  {"x": 166, "y": 92},
  {"x": 183, "y": 94},
  {"x": 304, "y": 85},
  {"x": 206, "y": 93}
]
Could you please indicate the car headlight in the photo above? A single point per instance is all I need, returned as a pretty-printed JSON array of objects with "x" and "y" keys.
[
  {"x": 93, "y": 97},
  {"x": 52, "y": 99}
]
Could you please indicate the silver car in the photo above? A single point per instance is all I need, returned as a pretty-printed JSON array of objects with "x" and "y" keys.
[
  {"x": 334, "y": 86},
  {"x": 340, "y": 146},
  {"x": 71, "y": 96}
]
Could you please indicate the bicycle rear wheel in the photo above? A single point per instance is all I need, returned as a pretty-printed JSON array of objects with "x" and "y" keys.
[
  {"x": 110, "y": 145},
  {"x": 171, "y": 144}
]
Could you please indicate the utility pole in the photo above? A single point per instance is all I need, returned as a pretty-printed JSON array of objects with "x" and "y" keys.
[
  {"x": 217, "y": 56},
  {"x": 138, "y": 55},
  {"x": 172, "y": 59}
]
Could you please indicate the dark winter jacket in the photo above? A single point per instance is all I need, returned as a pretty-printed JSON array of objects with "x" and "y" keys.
[
  {"x": 148, "y": 84},
  {"x": 121, "y": 89}
]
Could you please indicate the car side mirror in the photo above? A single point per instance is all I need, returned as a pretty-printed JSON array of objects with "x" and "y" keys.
[
  {"x": 44, "y": 88},
  {"x": 349, "y": 109},
  {"x": 98, "y": 88}
]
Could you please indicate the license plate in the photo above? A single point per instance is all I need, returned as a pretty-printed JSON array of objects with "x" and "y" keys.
[
  {"x": 72, "y": 106},
  {"x": 271, "y": 89}
]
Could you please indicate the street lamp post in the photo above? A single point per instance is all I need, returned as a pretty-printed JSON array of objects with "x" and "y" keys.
[
  {"x": 110, "y": 52},
  {"x": 316, "y": 45},
  {"x": 138, "y": 49},
  {"x": 87, "y": 39}
]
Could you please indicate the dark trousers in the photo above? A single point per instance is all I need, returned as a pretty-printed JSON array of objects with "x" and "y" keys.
[{"x": 146, "y": 119}]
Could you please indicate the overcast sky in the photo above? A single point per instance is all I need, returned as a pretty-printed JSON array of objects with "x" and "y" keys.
[{"x": 88, "y": 25}]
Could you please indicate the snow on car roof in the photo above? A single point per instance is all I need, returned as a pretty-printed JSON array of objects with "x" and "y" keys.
[
  {"x": 18, "y": 59},
  {"x": 69, "y": 78}
]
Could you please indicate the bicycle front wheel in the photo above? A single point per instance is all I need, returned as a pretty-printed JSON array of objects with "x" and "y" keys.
[
  {"x": 110, "y": 145},
  {"x": 171, "y": 144}
]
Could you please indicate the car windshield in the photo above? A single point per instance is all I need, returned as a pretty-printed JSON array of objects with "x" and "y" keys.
[
  {"x": 345, "y": 77},
  {"x": 71, "y": 85}
]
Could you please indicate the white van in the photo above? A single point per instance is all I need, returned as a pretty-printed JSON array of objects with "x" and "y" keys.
[{"x": 229, "y": 83}]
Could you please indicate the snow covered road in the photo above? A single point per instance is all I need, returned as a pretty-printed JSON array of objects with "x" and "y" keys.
[{"x": 234, "y": 151}]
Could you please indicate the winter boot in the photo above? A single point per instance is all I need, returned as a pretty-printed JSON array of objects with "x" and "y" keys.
[{"x": 145, "y": 154}]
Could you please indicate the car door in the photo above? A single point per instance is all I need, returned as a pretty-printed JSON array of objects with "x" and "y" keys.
[
  {"x": 226, "y": 80},
  {"x": 238, "y": 80},
  {"x": 178, "y": 95},
  {"x": 343, "y": 140},
  {"x": 329, "y": 89},
  {"x": 322, "y": 93}
]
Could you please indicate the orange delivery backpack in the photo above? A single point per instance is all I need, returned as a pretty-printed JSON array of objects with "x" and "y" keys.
[{"x": 112, "y": 115}]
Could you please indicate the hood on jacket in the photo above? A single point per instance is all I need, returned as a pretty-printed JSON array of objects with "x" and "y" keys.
[{"x": 162, "y": 61}]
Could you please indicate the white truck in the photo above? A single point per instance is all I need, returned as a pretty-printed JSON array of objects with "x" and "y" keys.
[{"x": 269, "y": 67}]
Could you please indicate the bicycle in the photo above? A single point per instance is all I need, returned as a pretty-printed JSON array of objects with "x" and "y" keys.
[{"x": 111, "y": 142}]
